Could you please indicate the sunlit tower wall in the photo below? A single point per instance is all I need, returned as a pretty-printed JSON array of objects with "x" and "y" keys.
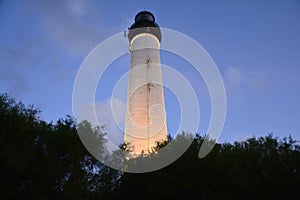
[{"x": 145, "y": 113}]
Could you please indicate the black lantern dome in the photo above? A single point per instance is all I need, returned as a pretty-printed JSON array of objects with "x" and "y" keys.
[{"x": 144, "y": 22}]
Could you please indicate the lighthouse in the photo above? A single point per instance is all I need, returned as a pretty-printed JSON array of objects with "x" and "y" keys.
[{"x": 145, "y": 123}]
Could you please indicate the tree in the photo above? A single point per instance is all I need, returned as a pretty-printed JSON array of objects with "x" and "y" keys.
[{"x": 41, "y": 160}]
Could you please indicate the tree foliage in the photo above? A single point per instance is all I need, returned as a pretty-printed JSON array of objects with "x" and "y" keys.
[{"x": 41, "y": 160}]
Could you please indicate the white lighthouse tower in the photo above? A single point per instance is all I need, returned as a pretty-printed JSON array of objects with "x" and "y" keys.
[{"x": 145, "y": 114}]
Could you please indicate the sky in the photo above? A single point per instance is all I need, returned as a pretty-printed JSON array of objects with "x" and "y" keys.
[{"x": 255, "y": 45}]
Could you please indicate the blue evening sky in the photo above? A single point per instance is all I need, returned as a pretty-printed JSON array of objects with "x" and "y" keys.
[{"x": 255, "y": 45}]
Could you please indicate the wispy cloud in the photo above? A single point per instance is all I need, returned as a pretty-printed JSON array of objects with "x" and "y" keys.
[
  {"x": 237, "y": 79},
  {"x": 110, "y": 113},
  {"x": 75, "y": 25},
  {"x": 51, "y": 36},
  {"x": 15, "y": 61}
]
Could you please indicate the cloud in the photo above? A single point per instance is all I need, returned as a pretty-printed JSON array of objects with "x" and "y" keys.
[
  {"x": 110, "y": 113},
  {"x": 75, "y": 25},
  {"x": 15, "y": 60},
  {"x": 233, "y": 77},
  {"x": 50, "y": 37},
  {"x": 237, "y": 79}
]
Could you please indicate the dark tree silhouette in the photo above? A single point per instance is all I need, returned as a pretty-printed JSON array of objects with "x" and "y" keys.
[{"x": 41, "y": 160}]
